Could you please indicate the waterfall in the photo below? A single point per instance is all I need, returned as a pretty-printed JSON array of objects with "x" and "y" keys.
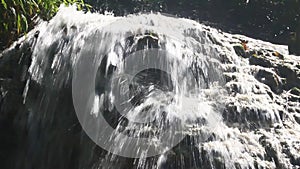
[
  {"x": 149, "y": 91},
  {"x": 137, "y": 87}
]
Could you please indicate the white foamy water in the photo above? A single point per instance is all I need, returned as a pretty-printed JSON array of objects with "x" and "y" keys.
[{"x": 102, "y": 56}]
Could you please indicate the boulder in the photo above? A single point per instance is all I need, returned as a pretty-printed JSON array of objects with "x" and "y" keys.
[
  {"x": 271, "y": 79},
  {"x": 240, "y": 51},
  {"x": 290, "y": 74},
  {"x": 259, "y": 61}
]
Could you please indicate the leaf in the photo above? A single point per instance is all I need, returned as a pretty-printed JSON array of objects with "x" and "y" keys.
[
  {"x": 22, "y": 6},
  {"x": 66, "y": 2},
  {"x": 4, "y": 4},
  {"x": 19, "y": 28},
  {"x": 30, "y": 10},
  {"x": 5, "y": 26},
  {"x": 34, "y": 4},
  {"x": 88, "y": 6},
  {"x": 79, "y": 7},
  {"x": 25, "y": 22}
]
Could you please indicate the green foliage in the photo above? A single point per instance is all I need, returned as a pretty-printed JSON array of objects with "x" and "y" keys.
[{"x": 17, "y": 16}]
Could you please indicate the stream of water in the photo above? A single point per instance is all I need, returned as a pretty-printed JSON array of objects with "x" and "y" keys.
[{"x": 142, "y": 91}]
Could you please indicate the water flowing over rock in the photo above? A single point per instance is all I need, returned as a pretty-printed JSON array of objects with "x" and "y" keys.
[{"x": 234, "y": 111}]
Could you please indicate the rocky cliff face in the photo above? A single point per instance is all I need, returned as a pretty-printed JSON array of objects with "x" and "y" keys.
[{"x": 260, "y": 98}]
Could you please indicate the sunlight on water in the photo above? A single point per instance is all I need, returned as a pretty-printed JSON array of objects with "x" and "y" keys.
[{"x": 152, "y": 87}]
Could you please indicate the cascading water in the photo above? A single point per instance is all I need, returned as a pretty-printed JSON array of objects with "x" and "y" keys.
[
  {"x": 117, "y": 70},
  {"x": 149, "y": 91}
]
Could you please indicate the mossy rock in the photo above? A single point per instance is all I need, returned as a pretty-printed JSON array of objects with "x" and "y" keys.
[
  {"x": 295, "y": 91},
  {"x": 240, "y": 51}
]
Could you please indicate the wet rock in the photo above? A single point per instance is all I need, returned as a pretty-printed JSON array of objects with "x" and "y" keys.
[
  {"x": 297, "y": 118},
  {"x": 294, "y": 43},
  {"x": 61, "y": 145},
  {"x": 271, "y": 79},
  {"x": 270, "y": 94},
  {"x": 229, "y": 77},
  {"x": 260, "y": 52},
  {"x": 286, "y": 71},
  {"x": 290, "y": 153},
  {"x": 295, "y": 91},
  {"x": 240, "y": 51},
  {"x": 13, "y": 113},
  {"x": 234, "y": 88},
  {"x": 36, "y": 34},
  {"x": 224, "y": 59},
  {"x": 294, "y": 98},
  {"x": 292, "y": 79},
  {"x": 277, "y": 54},
  {"x": 250, "y": 53},
  {"x": 246, "y": 117},
  {"x": 271, "y": 153},
  {"x": 259, "y": 61}
]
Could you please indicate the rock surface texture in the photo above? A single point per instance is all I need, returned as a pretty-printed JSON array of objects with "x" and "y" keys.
[{"x": 260, "y": 126}]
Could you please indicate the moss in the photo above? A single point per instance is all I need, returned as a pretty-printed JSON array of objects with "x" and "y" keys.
[{"x": 239, "y": 50}]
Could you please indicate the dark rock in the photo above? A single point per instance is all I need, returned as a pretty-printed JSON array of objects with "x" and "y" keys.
[
  {"x": 271, "y": 154},
  {"x": 262, "y": 140},
  {"x": 294, "y": 43},
  {"x": 291, "y": 110},
  {"x": 234, "y": 88},
  {"x": 286, "y": 71},
  {"x": 260, "y": 52},
  {"x": 280, "y": 56},
  {"x": 297, "y": 118},
  {"x": 17, "y": 46},
  {"x": 271, "y": 79},
  {"x": 247, "y": 117},
  {"x": 270, "y": 94},
  {"x": 36, "y": 34},
  {"x": 295, "y": 161},
  {"x": 259, "y": 61},
  {"x": 294, "y": 98},
  {"x": 237, "y": 165},
  {"x": 295, "y": 91},
  {"x": 292, "y": 79},
  {"x": 240, "y": 51},
  {"x": 250, "y": 53},
  {"x": 281, "y": 115},
  {"x": 288, "y": 151},
  {"x": 229, "y": 78},
  {"x": 224, "y": 59}
]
